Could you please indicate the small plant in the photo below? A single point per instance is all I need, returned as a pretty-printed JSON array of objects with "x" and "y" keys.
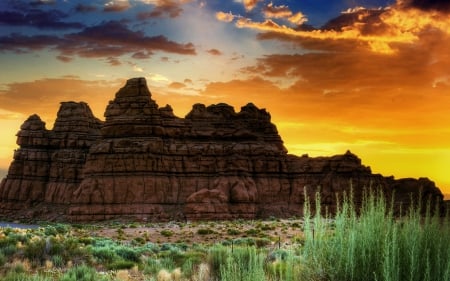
[
  {"x": 120, "y": 264},
  {"x": 233, "y": 231},
  {"x": 166, "y": 233},
  {"x": 205, "y": 231},
  {"x": 81, "y": 273}
]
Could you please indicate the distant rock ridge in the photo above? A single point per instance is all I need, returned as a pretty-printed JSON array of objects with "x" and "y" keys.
[{"x": 145, "y": 163}]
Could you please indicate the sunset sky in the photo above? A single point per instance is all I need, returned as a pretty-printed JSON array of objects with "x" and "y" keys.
[{"x": 372, "y": 77}]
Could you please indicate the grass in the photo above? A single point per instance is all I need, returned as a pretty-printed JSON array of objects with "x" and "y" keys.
[{"x": 364, "y": 243}]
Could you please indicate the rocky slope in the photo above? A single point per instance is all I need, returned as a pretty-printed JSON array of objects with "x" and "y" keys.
[{"x": 145, "y": 163}]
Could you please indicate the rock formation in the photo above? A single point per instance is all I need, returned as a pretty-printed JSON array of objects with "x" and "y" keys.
[{"x": 145, "y": 163}]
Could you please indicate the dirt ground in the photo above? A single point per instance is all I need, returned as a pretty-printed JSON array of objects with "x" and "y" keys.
[{"x": 277, "y": 231}]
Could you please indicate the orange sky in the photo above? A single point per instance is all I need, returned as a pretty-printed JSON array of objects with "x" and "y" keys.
[{"x": 376, "y": 81}]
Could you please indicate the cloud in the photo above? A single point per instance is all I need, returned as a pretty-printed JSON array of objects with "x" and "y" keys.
[
  {"x": 156, "y": 77},
  {"x": 272, "y": 11},
  {"x": 23, "y": 43},
  {"x": 52, "y": 19},
  {"x": 249, "y": 4},
  {"x": 82, "y": 8},
  {"x": 64, "y": 58},
  {"x": 113, "y": 61},
  {"x": 141, "y": 55},
  {"x": 42, "y": 2},
  {"x": 115, "y": 38},
  {"x": 225, "y": 17},
  {"x": 381, "y": 31},
  {"x": 437, "y": 5},
  {"x": 176, "y": 85},
  {"x": 117, "y": 6},
  {"x": 298, "y": 18},
  {"x": 214, "y": 52},
  {"x": 105, "y": 40},
  {"x": 163, "y": 8}
]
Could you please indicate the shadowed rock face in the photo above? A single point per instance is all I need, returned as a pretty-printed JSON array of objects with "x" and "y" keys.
[{"x": 145, "y": 163}]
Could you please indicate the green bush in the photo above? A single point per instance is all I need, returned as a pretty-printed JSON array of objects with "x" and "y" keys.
[
  {"x": 14, "y": 276},
  {"x": 3, "y": 259},
  {"x": 245, "y": 264},
  {"x": 35, "y": 250},
  {"x": 120, "y": 264},
  {"x": 128, "y": 254},
  {"x": 369, "y": 244},
  {"x": 205, "y": 231},
  {"x": 166, "y": 232},
  {"x": 104, "y": 254},
  {"x": 9, "y": 250},
  {"x": 80, "y": 273},
  {"x": 58, "y": 261},
  {"x": 233, "y": 231}
]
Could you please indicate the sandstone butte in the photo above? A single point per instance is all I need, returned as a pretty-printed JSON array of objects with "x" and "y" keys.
[{"x": 145, "y": 163}]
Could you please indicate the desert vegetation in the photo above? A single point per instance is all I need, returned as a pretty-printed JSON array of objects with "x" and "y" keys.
[{"x": 368, "y": 243}]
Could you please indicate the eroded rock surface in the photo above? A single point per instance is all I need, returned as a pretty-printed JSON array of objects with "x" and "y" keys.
[{"x": 145, "y": 163}]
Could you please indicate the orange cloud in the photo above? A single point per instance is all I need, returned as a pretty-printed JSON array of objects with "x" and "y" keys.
[
  {"x": 250, "y": 4},
  {"x": 382, "y": 31},
  {"x": 272, "y": 11},
  {"x": 277, "y": 12},
  {"x": 225, "y": 17}
]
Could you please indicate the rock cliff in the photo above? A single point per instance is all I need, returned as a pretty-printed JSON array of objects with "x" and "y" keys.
[{"x": 145, "y": 163}]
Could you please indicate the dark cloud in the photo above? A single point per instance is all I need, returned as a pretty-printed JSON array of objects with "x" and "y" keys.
[
  {"x": 214, "y": 52},
  {"x": 116, "y": 6},
  {"x": 439, "y": 5},
  {"x": 22, "y": 43},
  {"x": 113, "y": 61},
  {"x": 163, "y": 8},
  {"x": 115, "y": 38},
  {"x": 81, "y": 8},
  {"x": 368, "y": 20},
  {"x": 141, "y": 55},
  {"x": 42, "y": 2},
  {"x": 108, "y": 39},
  {"x": 52, "y": 19},
  {"x": 64, "y": 58}
]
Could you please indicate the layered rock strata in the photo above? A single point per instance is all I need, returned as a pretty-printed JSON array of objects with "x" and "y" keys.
[{"x": 145, "y": 163}]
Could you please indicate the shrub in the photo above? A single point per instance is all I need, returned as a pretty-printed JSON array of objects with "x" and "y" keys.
[
  {"x": 371, "y": 245},
  {"x": 35, "y": 250},
  {"x": 3, "y": 259},
  {"x": 80, "y": 273},
  {"x": 166, "y": 232},
  {"x": 58, "y": 261},
  {"x": 104, "y": 254},
  {"x": 14, "y": 276},
  {"x": 233, "y": 231},
  {"x": 9, "y": 250},
  {"x": 244, "y": 263},
  {"x": 128, "y": 254},
  {"x": 120, "y": 264},
  {"x": 205, "y": 231}
]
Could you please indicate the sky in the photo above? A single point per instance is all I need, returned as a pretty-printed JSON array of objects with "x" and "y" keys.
[{"x": 372, "y": 77}]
